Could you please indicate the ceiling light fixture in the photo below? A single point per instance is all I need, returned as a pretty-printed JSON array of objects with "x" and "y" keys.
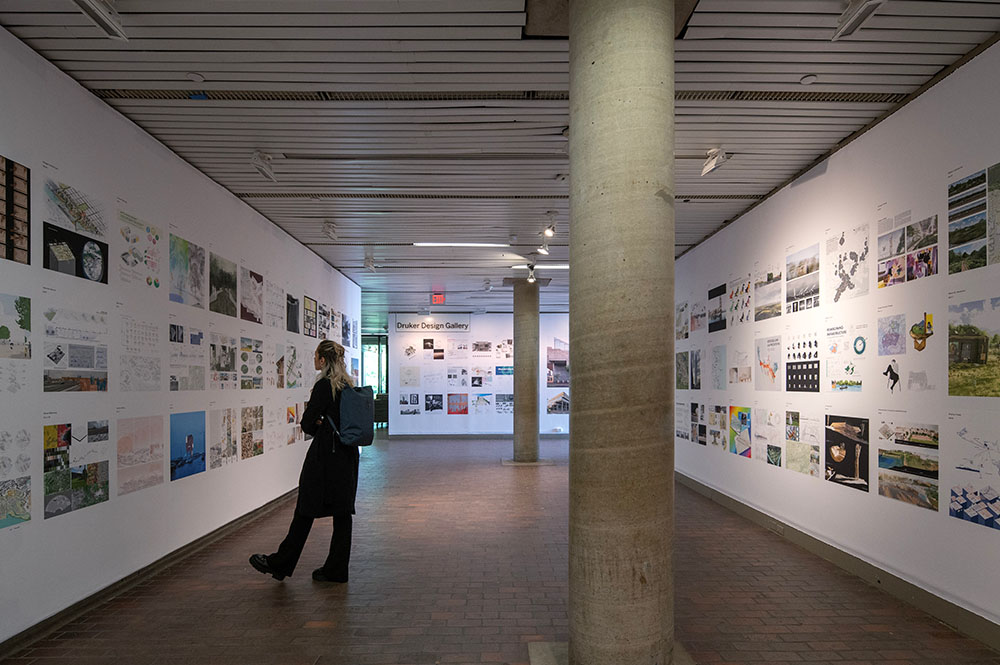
[
  {"x": 370, "y": 263},
  {"x": 424, "y": 311},
  {"x": 262, "y": 162},
  {"x": 461, "y": 244},
  {"x": 716, "y": 158},
  {"x": 487, "y": 286},
  {"x": 546, "y": 266},
  {"x": 104, "y": 16},
  {"x": 808, "y": 79},
  {"x": 543, "y": 248},
  {"x": 330, "y": 230},
  {"x": 531, "y": 274},
  {"x": 549, "y": 231},
  {"x": 857, "y": 12}
]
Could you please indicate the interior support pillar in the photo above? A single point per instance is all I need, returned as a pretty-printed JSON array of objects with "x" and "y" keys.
[
  {"x": 525, "y": 371},
  {"x": 621, "y": 332}
]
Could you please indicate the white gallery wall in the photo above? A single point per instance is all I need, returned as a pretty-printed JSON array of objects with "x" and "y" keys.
[
  {"x": 454, "y": 374},
  {"x": 838, "y": 348},
  {"x": 156, "y": 341}
]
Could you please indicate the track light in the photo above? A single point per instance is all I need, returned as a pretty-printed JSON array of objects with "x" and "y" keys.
[
  {"x": 487, "y": 286},
  {"x": 104, "y": 16},
  {"x": 543, "y": 248},
  {"x": 716, "y": 158},
  {"x": 370, "y": 263},
  {"x": 857, "y": 12},
  {"x": 531, "y": 274},
  {"x": 461, "y": 244},
  {"x": 330, "y": 230},
  {"x": 262, "y": 162},
  {"x": 549, "y": 231}
]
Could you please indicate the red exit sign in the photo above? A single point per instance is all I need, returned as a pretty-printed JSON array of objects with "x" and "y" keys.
[{"x": 437, "y": 298}]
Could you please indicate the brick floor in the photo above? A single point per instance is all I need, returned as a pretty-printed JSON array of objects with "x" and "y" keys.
[{"x": 458, "y": 559}]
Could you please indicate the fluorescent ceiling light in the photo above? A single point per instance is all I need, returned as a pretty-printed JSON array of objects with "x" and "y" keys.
[
  {"x": 716, "y": 158},
  {"x": 857, "y": 12},
  {"x": 104, "y": 16},
  {"x": 461, "y": 244},
  {"x": 541, "y": 266}
]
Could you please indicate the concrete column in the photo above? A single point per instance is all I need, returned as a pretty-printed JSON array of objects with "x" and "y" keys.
[
  {"x": 621, "y": 332},
  {"x": 525, "y": 371}
]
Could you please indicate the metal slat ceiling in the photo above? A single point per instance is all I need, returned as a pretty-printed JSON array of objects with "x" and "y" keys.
[{"x": 408, "y": 120}]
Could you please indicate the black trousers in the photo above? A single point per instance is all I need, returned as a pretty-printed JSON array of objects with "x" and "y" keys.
[{"x": 335, "y": 567}]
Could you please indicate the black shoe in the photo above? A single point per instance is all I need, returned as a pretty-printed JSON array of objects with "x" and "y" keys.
[
  {"x": 319, "y": 575},
  {"x": 261, "y": 564}
]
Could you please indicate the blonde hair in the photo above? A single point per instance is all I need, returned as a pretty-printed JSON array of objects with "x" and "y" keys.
[{"x": 334, "y": 368}]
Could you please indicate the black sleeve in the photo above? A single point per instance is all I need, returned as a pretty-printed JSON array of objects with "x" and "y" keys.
[{"x": 320, "y": 404}]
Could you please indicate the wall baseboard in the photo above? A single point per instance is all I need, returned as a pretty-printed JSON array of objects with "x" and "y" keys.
[
  {"x": 964, "y": 621},
  {"x": 46, "y": 627}
]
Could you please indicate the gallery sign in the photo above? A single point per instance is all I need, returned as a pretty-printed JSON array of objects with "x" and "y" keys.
[{"x": 455, "y": 323}]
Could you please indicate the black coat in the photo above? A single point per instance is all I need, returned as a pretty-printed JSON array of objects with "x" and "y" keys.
[{"x": 328, "y": 483}]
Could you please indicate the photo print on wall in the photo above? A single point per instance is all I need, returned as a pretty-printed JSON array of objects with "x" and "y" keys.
[
  {"x": 187, "y": 272},
  {"x": 847, "y": 352},
  {"x": 76, "y": 465},
  {"x": 802, "y": 280},
  {"x": 768, "y": 367},
  {"x": 975, "y": 494},
  {"x": 908, "y": 473},
  {"x": 740, "y": 306},
  {"x": 695, "y": 362},
  {"x": 141, "y": 445},
  {"x": 973, "y": 209},
  {"x": 15, "y": 212},
  {"x": 802, "y": 362},
  {"x": 187, "y": 444},
  {"x": 767, "y": 293},
  {"x": 699, "y": 316},
  {"x": 719, "y": 367},
  {"x": 76, "y": 351},
  {"x": 187, "y": 358},
  {"x": 682, "y": 370},
  {"x": 73, "y": 209},
  {"x": 274, "y": 305},
  {"x": 15, "y": 477},
  {"x": 251, "y": 431},
  {"x": 740, "y": 432},
  {"x": 221, "y": 285},
  {"x": 847, "y": 258},
  {"x": 74, "y": 254},
  {"x": 223, "y": 429},
  {"x": 717, "y": 308},
  {"x": 251, "y": 296},
  {"x": 909, "y": 251},
  {"x": 847, "y": 451},
  {"x": 308, "y": 316},
  {"x": 557, "y": 364},
  {"x": 139, "y": 262},
  {"x": 15, "y": 328},
  {"x": 291, "y": 313},
  {"x": 682, "y": 321},
  {"x": 803, "y": 444},
  {"x": 974, "y": 348}
]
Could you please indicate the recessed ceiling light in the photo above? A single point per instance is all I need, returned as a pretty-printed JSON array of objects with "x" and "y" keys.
[
  {"x": 195, "y": 77},
  {"x": 808, "y": 79}
]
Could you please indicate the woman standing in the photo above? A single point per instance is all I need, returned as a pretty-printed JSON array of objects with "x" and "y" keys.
[{"x": 329, "y": 479}]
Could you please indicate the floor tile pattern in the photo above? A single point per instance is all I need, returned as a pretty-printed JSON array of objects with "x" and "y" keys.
[{"x": 459, "y": 559}]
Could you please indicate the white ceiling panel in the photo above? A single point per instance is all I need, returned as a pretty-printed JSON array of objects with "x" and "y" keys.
[{"x": 422, "y": 120}]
